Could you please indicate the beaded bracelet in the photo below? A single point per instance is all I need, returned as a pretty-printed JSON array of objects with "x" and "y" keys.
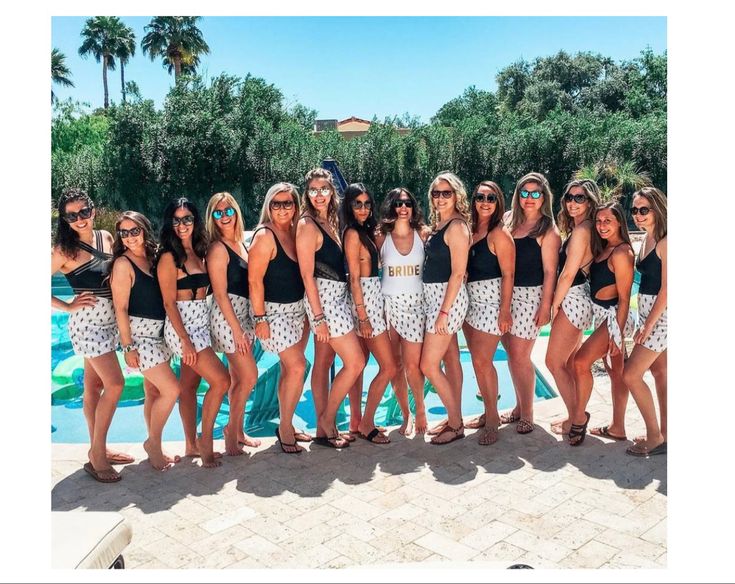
[
  {"x": 260, "y": 319},
  {"x": 318, "y": 321}
]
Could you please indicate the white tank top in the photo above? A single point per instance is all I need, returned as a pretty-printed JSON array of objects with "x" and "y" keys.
[{"x": 402, "y": 273}]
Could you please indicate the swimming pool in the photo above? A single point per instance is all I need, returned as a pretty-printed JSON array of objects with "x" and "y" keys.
[{"x": 69, "y": 426}]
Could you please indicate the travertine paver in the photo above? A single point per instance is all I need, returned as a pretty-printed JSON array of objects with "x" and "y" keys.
[{"x": 530, "y": 499}]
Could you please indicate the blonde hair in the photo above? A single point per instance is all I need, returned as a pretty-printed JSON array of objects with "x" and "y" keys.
[
  {"x": 281, "y": 187},
  {"x": 461, "y": 203},
  {"x": 211, "y": 224},
  {"x": 657, "y": 199},
  {"x": 308, "y": 207},
  {"x": 563, "y": 220},
  {"x": 517, "y": 217}
]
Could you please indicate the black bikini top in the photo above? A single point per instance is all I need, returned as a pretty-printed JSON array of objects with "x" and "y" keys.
[
  {"x": 192, "y": 282},
  {"x": 93, "y": 275}
]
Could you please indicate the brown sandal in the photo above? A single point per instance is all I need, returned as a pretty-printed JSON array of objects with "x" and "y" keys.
[
  {"x": 509, "y": 418},
  {"x": 457, "y": 434},
  {"x": 488, "y": 435},
  {"x": 524, "y": 426}
]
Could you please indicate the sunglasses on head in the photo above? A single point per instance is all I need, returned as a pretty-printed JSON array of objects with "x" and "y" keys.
[
  {"x": 73, "y": 216},
  {"x": 226, "y": 212},
  {"x": 579, "y": 199},
  {"x": 357, "y": 205},
  {"x": 642, "y": 210},
  {"x": 408, "y": 203},
  {"x": 324, "y": 192},
  {"x": 489, "y": 198},
  {"x": 442, "y": 194},
  {"x": 276, "y": 205},
  {"x": 125, "y": 233},
  {"x": 186, "y": 220},
  {"x": 533, "y": 194}
]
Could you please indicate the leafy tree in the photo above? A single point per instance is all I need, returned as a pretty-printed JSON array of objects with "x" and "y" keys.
[
  {"x": 125, "y": 50},
  {"x": 177, "y": 40},
  {"x": 60, "y": 73}
]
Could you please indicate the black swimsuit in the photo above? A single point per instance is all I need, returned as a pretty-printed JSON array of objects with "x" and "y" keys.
[
  {"x": 145, "y": 296},
  {"x": 282, "y": 281},
  {"x": 93, "y": 275},
  {"x": 650, "y": 268},
  {"x": 329, "y": 259},
  {"x": 580, "y": 277},
  {"x": 600, "y": 277},
  {"x": 237, "y": 274},
  {"x": 438, "y": 257},
  {"x": 529, "y": 269},
  {"x": 482, "y": 264}
]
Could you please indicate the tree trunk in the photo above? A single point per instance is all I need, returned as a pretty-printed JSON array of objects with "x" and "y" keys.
[
  {"x": 122, "y": 78},
  {"x": 104, "y": 80},
  {"x": 177, "y": 67}
]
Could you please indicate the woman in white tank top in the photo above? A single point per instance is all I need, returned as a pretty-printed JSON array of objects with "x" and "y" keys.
[{"x": 401, "y": 244}]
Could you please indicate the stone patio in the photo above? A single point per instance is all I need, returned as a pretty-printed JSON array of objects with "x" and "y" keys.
[{"x": 527, "y": 499}]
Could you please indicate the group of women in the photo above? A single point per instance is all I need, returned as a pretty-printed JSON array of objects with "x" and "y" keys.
[{"x": 386, "y": 284}]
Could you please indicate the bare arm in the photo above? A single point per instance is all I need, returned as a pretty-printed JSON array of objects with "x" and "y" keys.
[
  {"x": 505, "y": 250},
  {"x": 58, "y": 260},
  {"x": 659, "y": 306},
  {"x": 457, "y": 238},
  {"x": 166, "y": 272},
  {"x": 622, "y": 264},
  {"x": 577, "y": 250},
  {"x": 122, "y": 279},
  {"x": 307, "y": 240},
  {"x": 262, "y": 251},
  {"x": 550, "y": 245},
  {"x": 353, "y": 248},
  {"x": 217, "y": 261}
]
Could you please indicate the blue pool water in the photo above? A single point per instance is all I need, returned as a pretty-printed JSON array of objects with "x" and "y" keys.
[{"x": 69, "y": 426}]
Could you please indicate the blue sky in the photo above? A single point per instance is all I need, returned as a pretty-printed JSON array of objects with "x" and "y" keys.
[{"x": 365, "y": 66}]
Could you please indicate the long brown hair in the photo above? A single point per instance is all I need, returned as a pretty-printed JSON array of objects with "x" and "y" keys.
[
  {"x": 149, "y": 241},
  {"x": 517, "y": 217},
  {"x": 657, "y": 199},
  {"x": 388, "y": 214},
  {"x": 497, "y": 216},
  {"x": 307, "y": 205},
  {"x": 563, "y": 220},
  {"x": 599, "y": 244}
]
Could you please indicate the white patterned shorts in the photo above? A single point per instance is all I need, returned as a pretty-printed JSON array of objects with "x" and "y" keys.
[
  {"x": 484, "y": 309},
  {"x": 523, "y": 308},
  {"x": 608, "y": 317},
  {"x": 656, "y": 341},
  {"x": 335, "y": 303},
  {"x": 405, "y": 313},
  {"x": 222, "y": 339},
  {"x": 577, "y": 306},
  {"x": 433, "y": 298},
  {"x": 286, "y": 323},
  {"x": 195, "y": 315},
  {"x": 93, "y": 329},
  {"x": 372, "y": 298},
  {"x": 147, "y": 336}
]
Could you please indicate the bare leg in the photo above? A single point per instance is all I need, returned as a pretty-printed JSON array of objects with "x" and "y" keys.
[
  {"x": 210, "y": 368},
  {"x": 592, "y": 349},
  {"x": 411, "y": 355},
  {"x": 619, "y": 394},
  {"x": 243, "y": 376},
  {"x": 189, "y": 381},
  {"x": 435, "y": 349},
  {"x": 660, "y": 376},
  {"x": 323, "y": 359},
  {"x": 564, "y": 341},
  {"x": 506, "y": 339},
  {"x": 293, "y": 368},
  {"x": 453, "y": 372},
  {"x": 151, "y": 394},
  {"x": 163, "y": 391},
  {"x": 355, "y": 393},
  {"x": 638, "y": 363},
  {"x": 523, "y": 374},
  {"x": 399, "y": 383},
  {"x": 108, "y": 370},
  {"x": 482, "y": 350},
  {"x": 380, "y": 347}
]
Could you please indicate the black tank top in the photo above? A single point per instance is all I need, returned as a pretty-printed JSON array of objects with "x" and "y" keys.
[
  {"x": 482, "y": 264},
  {"x": 580, "y": 277},
  {"x": 438, "y": 257},
  {"x": 373, "y": 251},
  {"x": 145, "y": 296},
  {"x": 237, "y": 274},
  {"x": 92, "y": 276},
  {"x": 600, "y": 277},
  {"x": 529, "y": 265},
  {"x": 282, "y": 281},
  {"x": 329, "y": 259},
  {"x": 650, "y": 269}
]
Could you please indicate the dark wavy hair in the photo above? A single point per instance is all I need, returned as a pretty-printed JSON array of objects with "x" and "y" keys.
[
  {"x": 170, "y": 241},
  {"x": 388, "y": 213},
  {"x": 66, "y": 238},
  {"x": 149, "y": 241},
  {"x": 497, "y": 216},
  {"x": 366, "y": 231},
  {"x": 599, "y": 244}
]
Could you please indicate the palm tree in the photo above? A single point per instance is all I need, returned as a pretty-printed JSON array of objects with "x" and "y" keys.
[
  {"x": 125, "y": 50},
  {"x": 60, "y": 73},
  {"x": 101, "y": 38},
  {"x": 177, "y": 40}
]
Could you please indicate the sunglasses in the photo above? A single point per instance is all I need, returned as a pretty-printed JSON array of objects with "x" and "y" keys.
[
  {"x": 125, "y": 233},
  {"x": 186, "y": 220},
  {"x": 408, "y": 203},
  {"x": 276, "y": 205},
  {"x": 533, "y": 194},
  {"x": 324, "y": 192},
  {"x": 642, "y": 210},
  {"x": 489, "y": 198},
  {"x": 442, "y": 194},
  {"x": 73, "y": 217},
  {"x": 226, "y": 212},
  {"x": 357, "y": 205},
  {"x": 579, "y": 199}
]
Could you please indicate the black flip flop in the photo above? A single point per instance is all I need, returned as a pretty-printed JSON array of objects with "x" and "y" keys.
[
  {"x": 660, "y": 449},
  {"x": 281, "y": 443},
  {"x": 371, "y": 436},
  {"x": 327, "y": 441}
]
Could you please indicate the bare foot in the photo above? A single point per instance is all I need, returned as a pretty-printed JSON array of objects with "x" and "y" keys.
[
  {"x": 475, "y": 423},
  {"x": 209, "y": 460},
  {"x": 407, "y": 426},
  {"x": 172, "y": 459},
  {"x": 156, "y": 457},
  {"x": 561, "y": 427},
  {"x": 420, "y": 427},
  {"x": 114, "y": 457},
  {"x": 232, "y": 445},
  {"x": 249, "y": 441},
  {"x": 438, "y": 429},
  {"x": 195, "y": 451}
]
